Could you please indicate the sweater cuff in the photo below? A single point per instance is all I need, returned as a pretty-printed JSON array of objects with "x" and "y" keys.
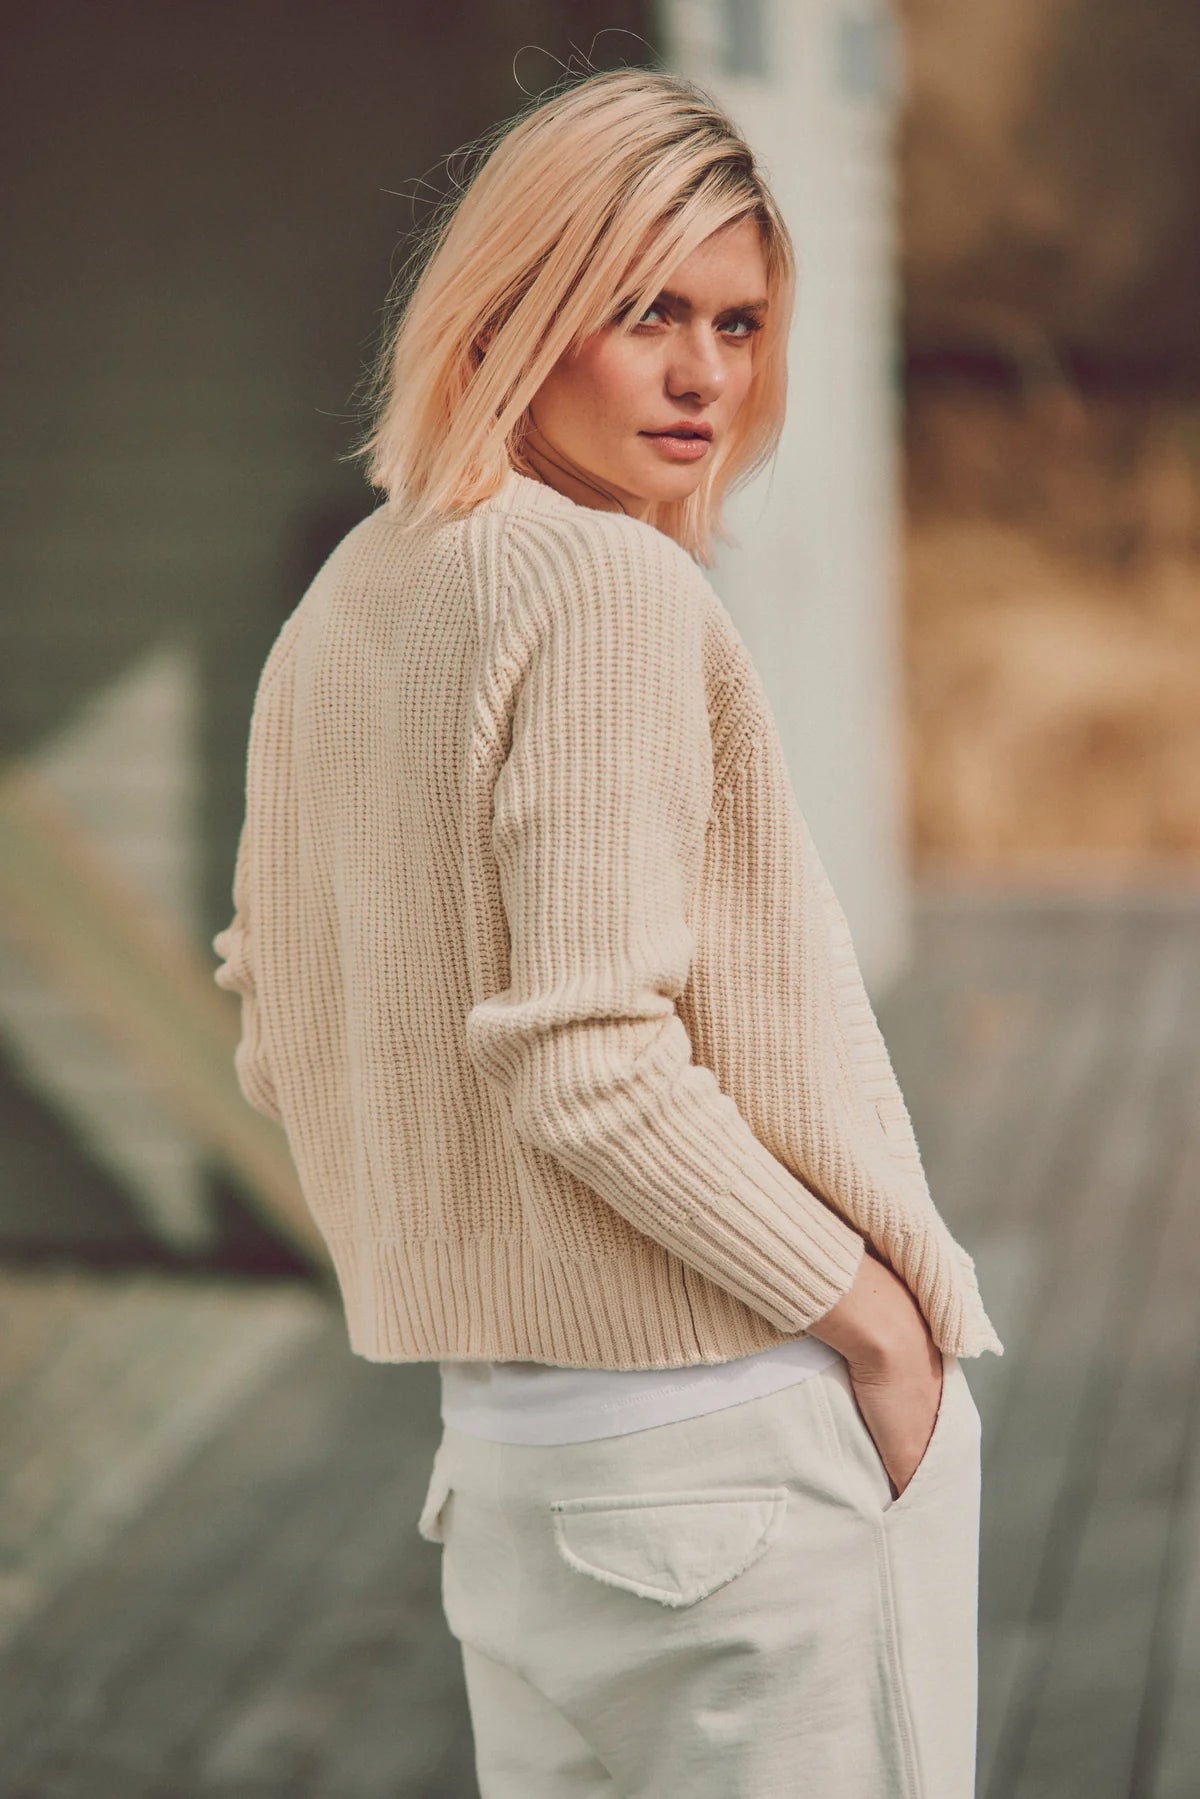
[{"x": 816, "y": 1254}]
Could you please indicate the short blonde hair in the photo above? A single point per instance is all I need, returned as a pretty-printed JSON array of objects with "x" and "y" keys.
[{"x": 580, "y": 209}]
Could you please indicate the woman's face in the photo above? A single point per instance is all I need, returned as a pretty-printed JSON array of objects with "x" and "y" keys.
[{"x": 687, "y": 362}]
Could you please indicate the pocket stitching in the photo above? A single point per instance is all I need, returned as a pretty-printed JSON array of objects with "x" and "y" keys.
[
  {"x": 832, "y": 1436},
  {"x": 563, "y": 1509}
]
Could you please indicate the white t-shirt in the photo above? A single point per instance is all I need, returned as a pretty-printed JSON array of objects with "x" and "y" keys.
[{"x": 535, "y": 1402}]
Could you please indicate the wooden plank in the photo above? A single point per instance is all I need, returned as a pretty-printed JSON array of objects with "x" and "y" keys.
[
  {"x": 1107, "y": 1184},
  {"x": 1169, "y": 1750},
  {"x": 226, "y": 1645},
  {"x": 147, "y": 989}
]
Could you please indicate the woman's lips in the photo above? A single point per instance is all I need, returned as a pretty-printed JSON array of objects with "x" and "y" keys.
[{"x": 678, "y": 449}]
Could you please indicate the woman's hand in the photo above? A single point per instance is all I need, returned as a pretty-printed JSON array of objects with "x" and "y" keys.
[
  {"x": 900, "y": 1407},
  {"x": 894, "y": 1364}
]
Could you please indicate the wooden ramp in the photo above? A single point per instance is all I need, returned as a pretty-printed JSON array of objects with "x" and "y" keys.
[{"x": 210, "y": 1575}]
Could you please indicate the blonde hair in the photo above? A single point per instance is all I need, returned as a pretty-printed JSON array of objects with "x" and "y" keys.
[{"x": 580, "y": 209}]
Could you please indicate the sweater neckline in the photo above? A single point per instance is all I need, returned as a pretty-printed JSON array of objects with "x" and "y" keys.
[{"x": 519, "y": 490}]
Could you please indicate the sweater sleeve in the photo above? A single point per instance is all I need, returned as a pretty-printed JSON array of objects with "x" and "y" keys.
[
  {"x": 236, "y": 943},
  {"x": 599, "y": 817},
  {"x": 236, "y": 974}
]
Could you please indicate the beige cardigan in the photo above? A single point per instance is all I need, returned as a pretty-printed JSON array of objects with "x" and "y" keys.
[{"x": 540, "y": 971}]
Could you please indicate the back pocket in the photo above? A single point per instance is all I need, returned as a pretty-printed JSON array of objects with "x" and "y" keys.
[{"x": 674, "y": 1547}]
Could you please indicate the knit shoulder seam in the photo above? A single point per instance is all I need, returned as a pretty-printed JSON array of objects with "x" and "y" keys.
[
  {"x": 503, "y": 553},
  {"x": 633, "y": 531},
  {"x": 746, "y": 756},
  {"x": 645, "y": 547},
  {"x": 604, "y": 522}
]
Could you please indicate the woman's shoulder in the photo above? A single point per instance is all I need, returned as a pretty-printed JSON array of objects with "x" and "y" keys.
[{"x": 569, "y": 551}]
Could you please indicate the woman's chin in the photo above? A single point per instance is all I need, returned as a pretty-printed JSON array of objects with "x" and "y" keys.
[{"x": 665, "y": 482}]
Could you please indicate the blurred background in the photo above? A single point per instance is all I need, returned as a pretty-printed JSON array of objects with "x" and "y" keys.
[{"x": 972, "y": 582}]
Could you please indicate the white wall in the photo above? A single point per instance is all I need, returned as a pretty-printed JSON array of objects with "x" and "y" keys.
[{"x": 814, "y": 583}]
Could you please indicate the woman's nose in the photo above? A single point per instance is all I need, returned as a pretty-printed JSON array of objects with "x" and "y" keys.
[{"x": 696, "y": 370}]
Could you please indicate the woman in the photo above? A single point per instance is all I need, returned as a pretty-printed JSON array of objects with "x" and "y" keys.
[{"x": 543, "y": 978}]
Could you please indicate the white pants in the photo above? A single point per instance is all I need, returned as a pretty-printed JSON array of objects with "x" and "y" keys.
[{"x": 726, "y": 1607}]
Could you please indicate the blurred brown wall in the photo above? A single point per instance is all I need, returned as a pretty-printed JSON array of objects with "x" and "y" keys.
[
  {"x": 1051, "y": 181},
  {"x": 1050, "y": 164}
]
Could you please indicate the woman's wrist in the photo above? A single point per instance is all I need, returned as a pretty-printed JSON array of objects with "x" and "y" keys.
[{"x": 876, "y": 1320}]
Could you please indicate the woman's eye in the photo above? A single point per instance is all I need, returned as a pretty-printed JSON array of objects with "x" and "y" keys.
[{"x": 750, "y": 325}]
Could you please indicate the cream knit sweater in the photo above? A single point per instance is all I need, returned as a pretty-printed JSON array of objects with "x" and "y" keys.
[{"x": 540, "y": 971}]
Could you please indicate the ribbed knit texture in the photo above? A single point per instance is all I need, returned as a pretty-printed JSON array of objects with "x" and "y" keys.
[{"x": 540, "y": 971}]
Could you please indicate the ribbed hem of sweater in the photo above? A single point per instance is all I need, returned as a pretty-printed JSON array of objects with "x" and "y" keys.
[{"x": 449, "y": 1299}]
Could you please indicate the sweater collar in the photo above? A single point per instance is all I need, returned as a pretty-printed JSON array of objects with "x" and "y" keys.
[{"x": 518, "y": 492}]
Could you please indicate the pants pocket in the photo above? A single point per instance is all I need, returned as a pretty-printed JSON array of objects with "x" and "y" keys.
[
  {"x": 933, "y": 1449},
  {"x": 675, "y": 1547},
  {"x": 431, "y": 1524},
  {"x": 954, "y": 1436}
]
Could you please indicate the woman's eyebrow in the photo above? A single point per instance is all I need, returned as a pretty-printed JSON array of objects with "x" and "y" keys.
[{"x": 684, "y": 305}]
